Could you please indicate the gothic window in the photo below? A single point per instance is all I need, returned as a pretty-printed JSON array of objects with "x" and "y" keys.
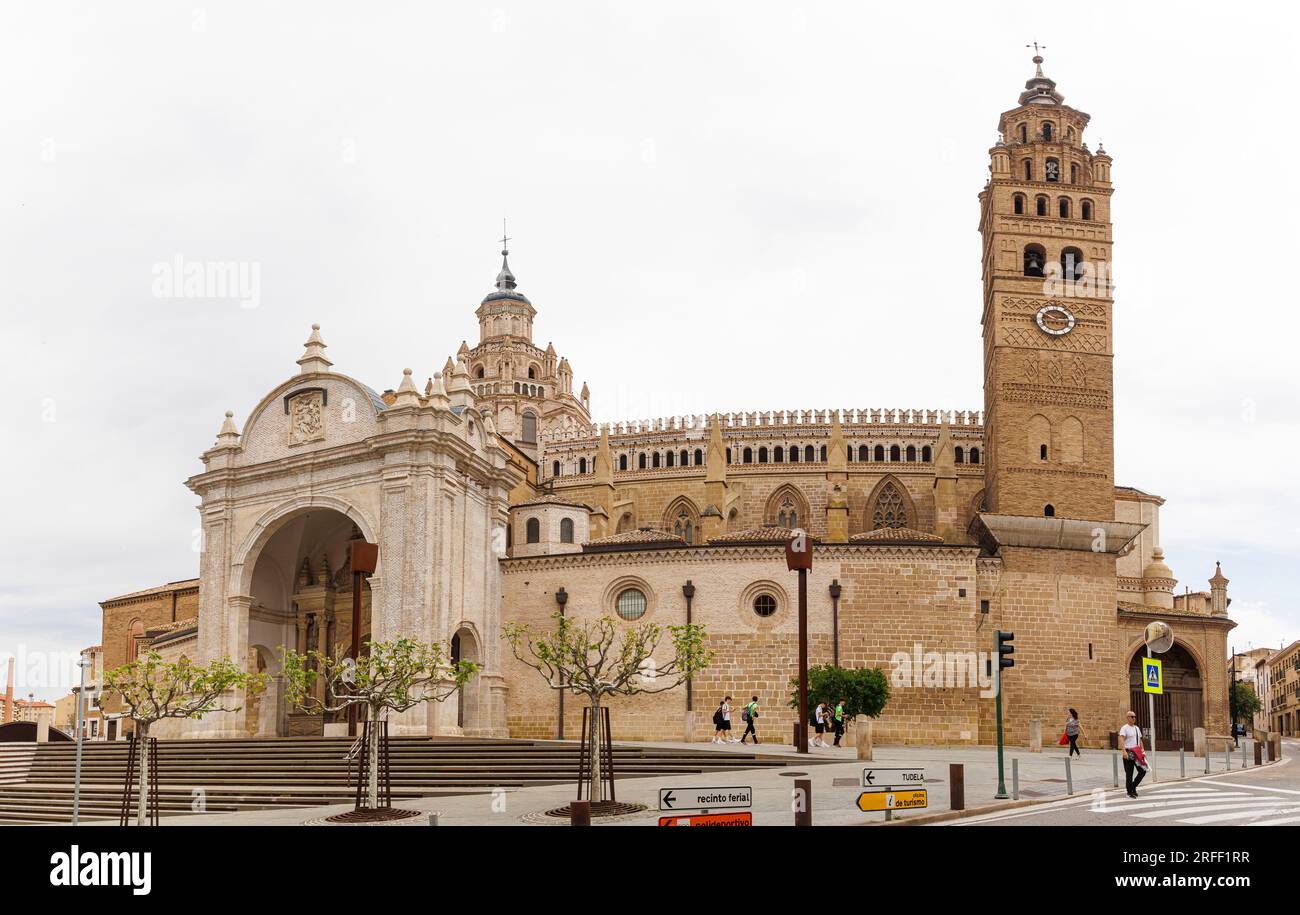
[
  {"x": 530, "y": 427},
  {"x": 1072, "y": 263},
  {"x": 1034, "y": 259},
  {"x": 566, "y": 530},
  {"x": 1063, "y": 207},
  {"x": 959, "y": 455},
  {"x": 808, "y": 453},
  {"x": 787, "y": 515},
  {"x": 1085, "y": 209},
  {"x": 879, "y": 453},
  {"x": 533, "y": 531},
  {"x": 895, "y": 453},
  {"x": 640, "y": 461},
  {"x": 622, "y": 462},
  {"x": 1018, "y": 204},
  {"x": 1052, "y": 171},
  {"x": 555, "y": 468},
  {"x": 699, "y": 456},
  {"x": 974, "y": 455},
  {"x": 890, "y": 510},
  {"x": 683, "y": 520},
  {"x": 1040, "y": 204}
]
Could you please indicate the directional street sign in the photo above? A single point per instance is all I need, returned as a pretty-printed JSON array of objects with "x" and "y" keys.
[
  {"x": 705, "y": 798},
  {"x": 877, "y": 777},
  {"x": 709, "y": 819},
  {"x": 888, "y": 800},
  {"x": 1152, "y": 681}
]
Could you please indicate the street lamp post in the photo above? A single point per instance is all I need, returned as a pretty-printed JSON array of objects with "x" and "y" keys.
[
  {"x": 688, "y": 591},
  {"x": 83, "y": 662},
  {"x": 561, "y": 598},
  {"x": 836, "y": 591},
  {"x": 798, "y": 557}
]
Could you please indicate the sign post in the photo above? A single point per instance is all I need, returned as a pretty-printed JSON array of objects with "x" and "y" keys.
[
  {"x": 798, "y": 557},
  {"x": 891, "y": 789},
  {"x": 1159, "y": 638},
  {"x": 706, "y": 800}
]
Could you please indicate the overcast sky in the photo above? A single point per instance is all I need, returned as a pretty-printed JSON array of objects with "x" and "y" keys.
[{"x": 714, "y": 206}]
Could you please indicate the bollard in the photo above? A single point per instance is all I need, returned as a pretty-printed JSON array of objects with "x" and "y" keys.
[
  {"x": 1227, "y": 756},
  {"x": 1182, "y": 763},
  {"x": 803, "y": 811},
  {"x": 580, "y": 813},
  {"x": 433, "y": 818},
  {"x": 794, "y": 739},
  {"x": 1015, "y": 779},
  {"x": 1114, "y": 767},
  {"x": 1243, "y": 755},
  {"x": 1069, "y": 777},
  {"x": 864, "y": 738},
  {"x": 956, "y": 786},
  {"x": 1259, "y": 753},
  {"x": 1207, "y": 760}
]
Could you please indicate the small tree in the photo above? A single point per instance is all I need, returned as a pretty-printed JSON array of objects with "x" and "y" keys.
[
  {"x": 152, "y": 689},
  {"x": 1243, "y": 701},
  {"x": 393, "y": 677},
  {"x": 864, "y": 689},
  {"x": 592, "y": 659}
]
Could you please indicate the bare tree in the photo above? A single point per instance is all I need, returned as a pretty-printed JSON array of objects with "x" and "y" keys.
[
  {"x": 152, "y": 689},
  {"x": 392, "y": 677},
  {"x": 600, "y": 658}
]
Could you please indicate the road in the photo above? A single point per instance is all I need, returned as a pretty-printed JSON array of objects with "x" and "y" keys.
[{"x": 1267, "y": 796}]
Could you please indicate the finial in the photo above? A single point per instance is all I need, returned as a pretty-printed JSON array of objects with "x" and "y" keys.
[
  {"x": 1038, "y": 57},
  {"x": 229, "y": 435},
  {"x": 313, "y": 358},
  {"x": 505, "y": 239}
]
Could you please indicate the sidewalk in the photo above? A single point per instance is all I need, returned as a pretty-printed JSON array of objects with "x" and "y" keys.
[{"x": 836, "y": 776}]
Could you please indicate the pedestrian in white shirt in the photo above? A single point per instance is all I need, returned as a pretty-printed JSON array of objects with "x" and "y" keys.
[{"x": 1135, "y": 760}]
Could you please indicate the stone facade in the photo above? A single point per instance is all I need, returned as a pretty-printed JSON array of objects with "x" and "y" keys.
[{"x": 492, "y": 490}]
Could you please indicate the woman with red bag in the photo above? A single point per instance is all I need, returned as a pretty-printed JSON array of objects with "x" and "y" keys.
[
  {"x": 1071, "y": 735},
  {"x": 1135, "y": 759}
]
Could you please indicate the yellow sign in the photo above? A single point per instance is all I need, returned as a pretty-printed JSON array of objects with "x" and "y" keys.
[
  {"x": 1152, "y": 677},
  {"x": 907, "y": 799}
]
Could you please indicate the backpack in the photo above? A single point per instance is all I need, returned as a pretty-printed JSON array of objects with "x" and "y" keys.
[
  {"x": 744, "y": 713},
  {"x": 718, "y": 719}
]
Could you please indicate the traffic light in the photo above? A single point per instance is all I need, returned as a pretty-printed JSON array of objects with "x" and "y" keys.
[{"x": 1004, "y": 649}]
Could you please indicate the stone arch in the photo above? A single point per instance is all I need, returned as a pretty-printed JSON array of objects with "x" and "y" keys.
[
  {"x": 682, "y": 518},
  {"x": 467, "y": 645},
  {"x": 625, "y": 523},
  {"x": 245, "y": 556},
  {"x": 787, "y": 507},
  {"x": 1038, "y": 439},
  {"x": 890, "y": 505},
  {"x": 1069, "y": 440},
  {"x": 1182, "y": 707}
]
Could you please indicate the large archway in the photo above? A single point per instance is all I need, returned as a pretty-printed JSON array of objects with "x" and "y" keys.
[
  {"x": 1181, "y": 708},
  {"x": 301, "y": 598}
]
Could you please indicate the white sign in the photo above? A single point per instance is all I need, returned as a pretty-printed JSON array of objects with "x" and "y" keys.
[
  {"x": 705, "y": 798},
  {"x": 893, "y": 778}
]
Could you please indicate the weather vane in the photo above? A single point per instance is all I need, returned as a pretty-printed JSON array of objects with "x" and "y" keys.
[
  {"x": 1037, "y": 48},
  {"x": 505, "y": 239}
]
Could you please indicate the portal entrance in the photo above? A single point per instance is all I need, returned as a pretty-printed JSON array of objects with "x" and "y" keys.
[{"x": 1180, "y": 709}]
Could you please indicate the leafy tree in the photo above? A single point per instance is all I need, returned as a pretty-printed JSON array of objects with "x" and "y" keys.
[
  {"x": 152, "y": 689},
  {"x": 1243, "y": 701},
  {"x": 393, "y": 677},
  {"x": 600, "y": 658},
  {"x": 864, "y": 689}
]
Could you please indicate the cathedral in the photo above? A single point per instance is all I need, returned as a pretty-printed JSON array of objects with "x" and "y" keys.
[{"x": 494, "y": 497}]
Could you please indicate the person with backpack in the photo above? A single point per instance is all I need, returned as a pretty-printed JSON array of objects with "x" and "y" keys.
[
  {"x": 819, "y": 717},
  {"x": 1135, "y": 760},
  {"x": 839, "y": 721},
  {"x": 722, "y": 722},
  {"x": 750, "y": 714}
]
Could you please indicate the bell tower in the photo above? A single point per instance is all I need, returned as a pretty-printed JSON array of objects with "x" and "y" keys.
[{"x": 1045, "y": 225}]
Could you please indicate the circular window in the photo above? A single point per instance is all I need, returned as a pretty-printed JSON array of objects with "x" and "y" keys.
[
  {"x": 765, "y": 605},
  {"x": 630, "y": 604}
]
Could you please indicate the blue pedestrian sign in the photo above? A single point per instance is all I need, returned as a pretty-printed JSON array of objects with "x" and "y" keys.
[{"x": 1152, "y": 681}]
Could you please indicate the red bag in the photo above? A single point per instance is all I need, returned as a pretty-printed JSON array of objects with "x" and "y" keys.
[{"x": 1064, "y": 740}]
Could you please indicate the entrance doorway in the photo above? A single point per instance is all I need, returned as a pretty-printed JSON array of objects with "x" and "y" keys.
[{"x": 1180, "y": 709}]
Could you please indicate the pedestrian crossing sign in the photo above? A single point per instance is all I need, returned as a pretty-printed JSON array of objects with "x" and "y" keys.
[{"x": 1151, "y": 677}]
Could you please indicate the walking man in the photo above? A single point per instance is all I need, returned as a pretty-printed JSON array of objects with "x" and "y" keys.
[
  {"x": 750, "y": 714},
  {"x": 839, "y": 721},
  {"x": 1134, "y": 758}
]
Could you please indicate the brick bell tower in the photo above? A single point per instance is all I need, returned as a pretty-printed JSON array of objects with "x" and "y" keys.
[{"x": 1045, "y": 224}]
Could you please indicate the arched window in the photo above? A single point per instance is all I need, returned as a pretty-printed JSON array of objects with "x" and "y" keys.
[
  {"x": 1040, "y": 205},
  {"x": 699, "y": 456},
  {"x": 533, "y": 531},
  {"x": 1034, "y": 259},
  {"x": 778, "y": 455},
  {"x": 747, "y": 456},
  {"x": 823, "y": 453},
  {"x": 926, "y": 454},
  {"x": 728, "y": 457},
  {"x": 134, "y": 640},
  {"x": 655, "y": 459},
  {"x": 582, "y": 465},
  {"x": 1047, "y": 131},
  {"x": 1042, "y": 452},
  {"x": 1063, "y": 207},
  {"x": 959, "y": 455},
  {"x": 890, "y": 509},
  {"x": 1072, "y": 263},
  {"x": 640, "y": 461},
  {"x": 530, "y": 427},
  {"x": 974, "y": 455},
  {"x": 879, "y": 453},
  {"x": 1029, "y": 169},
  {"x": 566, "y": 530},
  {"x": 762, "y": 454},
  {"x": 864, "y": 454},
  {"x": 1024, "y": 133},
  {"x": 1052, "y": 170},
  {"x": 1049, "y": 511},
  {"x": 622, "y": 462},
  {"x": 787, "y": 515},
  {"x": 1018, "y": 204},
  {"x": 478, "y": 372},
  {"x": 895, "y": 453},
  {"x": 1074, "y": 172},
  {"x": 1069, "y": 134},
  {"x": 911, "y": 452},
  {"x": 686, "y": 458},
  {"x": 669, "y": 458},
  {"x": 555, "y": 468},
  {"x": 808, "y": 453},
  {"x": 516, "y": 387},
  {"x": 794, "y": 454},
  {"x": 1085, "y": 209}
]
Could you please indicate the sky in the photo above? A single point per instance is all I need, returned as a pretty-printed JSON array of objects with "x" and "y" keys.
[{"x": 713, "y": 206}]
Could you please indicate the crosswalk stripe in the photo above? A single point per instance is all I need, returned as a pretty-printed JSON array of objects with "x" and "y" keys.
[
  {"x": 1181, "y": 809},
  {"x": 1239, "y": 815},
  {"x": 1122, "y": 807},
  {"x": 1283, "y": 821}
]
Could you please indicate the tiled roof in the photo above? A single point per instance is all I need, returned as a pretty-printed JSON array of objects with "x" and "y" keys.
[
  {"x": 550, "y": 498},
  {"x": 172, "y": 626},
  {"x": 895, "y": 535},
  {"x": 184, "y": 585},
  {"x": 641, "y": 537},
  {"x": 758, "y": 535}
]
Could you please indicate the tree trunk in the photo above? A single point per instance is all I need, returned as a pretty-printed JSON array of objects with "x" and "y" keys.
[
  {"x": 372, "y": 787},
  {"x": 142, "y": 755},
  {"x": 596, "y": 789}
]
